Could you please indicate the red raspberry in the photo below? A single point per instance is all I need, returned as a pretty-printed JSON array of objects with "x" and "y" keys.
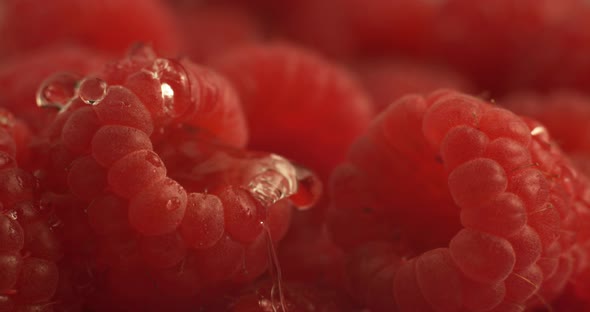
[
  {"x": 91, "y": 24},
  {"x": 516, "y": 213},
  {"x": 386, "y": 81},
  {"x": 21, "y": 76},
  {"x": 281, "y": 86},
  {"x": 28, "y": 247},
  {"x": 152, "y": 194},
  {"x": 179, "y": 91}
]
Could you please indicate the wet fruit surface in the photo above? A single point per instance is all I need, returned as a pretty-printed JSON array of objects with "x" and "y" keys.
[{"x": 294, "y": 156}]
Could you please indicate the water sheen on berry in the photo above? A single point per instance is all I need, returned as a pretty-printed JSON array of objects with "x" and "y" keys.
[
  {"x": 57, "y": 90},
  {"x": 174, "y": 86},
  {"x": 273, "y": 178},
  {"x": 92, "y": 90}
]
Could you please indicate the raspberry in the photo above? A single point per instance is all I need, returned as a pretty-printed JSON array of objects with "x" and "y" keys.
[
  {"x": 203, "y": 223},
  {"x": 130, "y": 209},
  {"x": 29, "y": 247},
  {"x": 69, "y": 22},
  {"x": 512, "y": 193},
  {"x": 283, "y": 89},
  {"x": 175, "y": 91}
]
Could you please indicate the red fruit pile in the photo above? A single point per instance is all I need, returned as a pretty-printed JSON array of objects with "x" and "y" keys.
[{"x": 283, "y": 156}]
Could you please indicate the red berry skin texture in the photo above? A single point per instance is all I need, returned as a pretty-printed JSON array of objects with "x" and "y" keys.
[
  {"x": 282, "y": 86},
  {"x": 121, "y": 107},
  {"x": 135, "y": 172},
  {"x": 407, "y": 291},
  {"x": 37, "y": 281},
  {"x": 448, "y": 112},
  {"x": 158, "y": 209},
  {"x": 203, "y": 223},
  {"x": 111, "y": 143},
  {"x": 504, "y": 215},
  {"x": 177, "y": 91},
  {"x": 217, "y": 105},
  {"x": 10, "y": 266},
  {"x": 68, "y": 22},
  {"x": 242, "y": 214},
  {"x": 12, "y": 237},
  {"x": 467, "y": 191},
  {"x": 515, "y": 195},
  {"x": 438, "y": 279},
  {"x": 461, "y": 144},
  {"x": 482, "y": 257}
]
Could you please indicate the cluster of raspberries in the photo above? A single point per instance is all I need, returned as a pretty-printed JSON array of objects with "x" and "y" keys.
[{"x": 294, "y": 156}]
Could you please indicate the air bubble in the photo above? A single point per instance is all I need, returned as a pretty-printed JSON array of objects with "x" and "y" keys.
[
  {"x": 57, "y": 90},
  {"x": 92, "y": 90}
]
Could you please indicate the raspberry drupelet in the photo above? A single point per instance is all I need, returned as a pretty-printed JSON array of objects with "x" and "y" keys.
[{"x": 459, "y": 206}]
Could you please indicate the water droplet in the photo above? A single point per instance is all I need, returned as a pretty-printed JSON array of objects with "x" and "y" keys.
[
  {"x": 174, "y": 86},
  {"x": 57, "y": 90},
  {"x": 92, "y": 90},
  {"x": 276, "y": 178},
  {"x": 272, "y": 179},
  {"x": 6, "y": 119},
  {"x": 309, "y": 189},
  {"x": 173, "y": 204},
  {"x": 539, "y": 130}
]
